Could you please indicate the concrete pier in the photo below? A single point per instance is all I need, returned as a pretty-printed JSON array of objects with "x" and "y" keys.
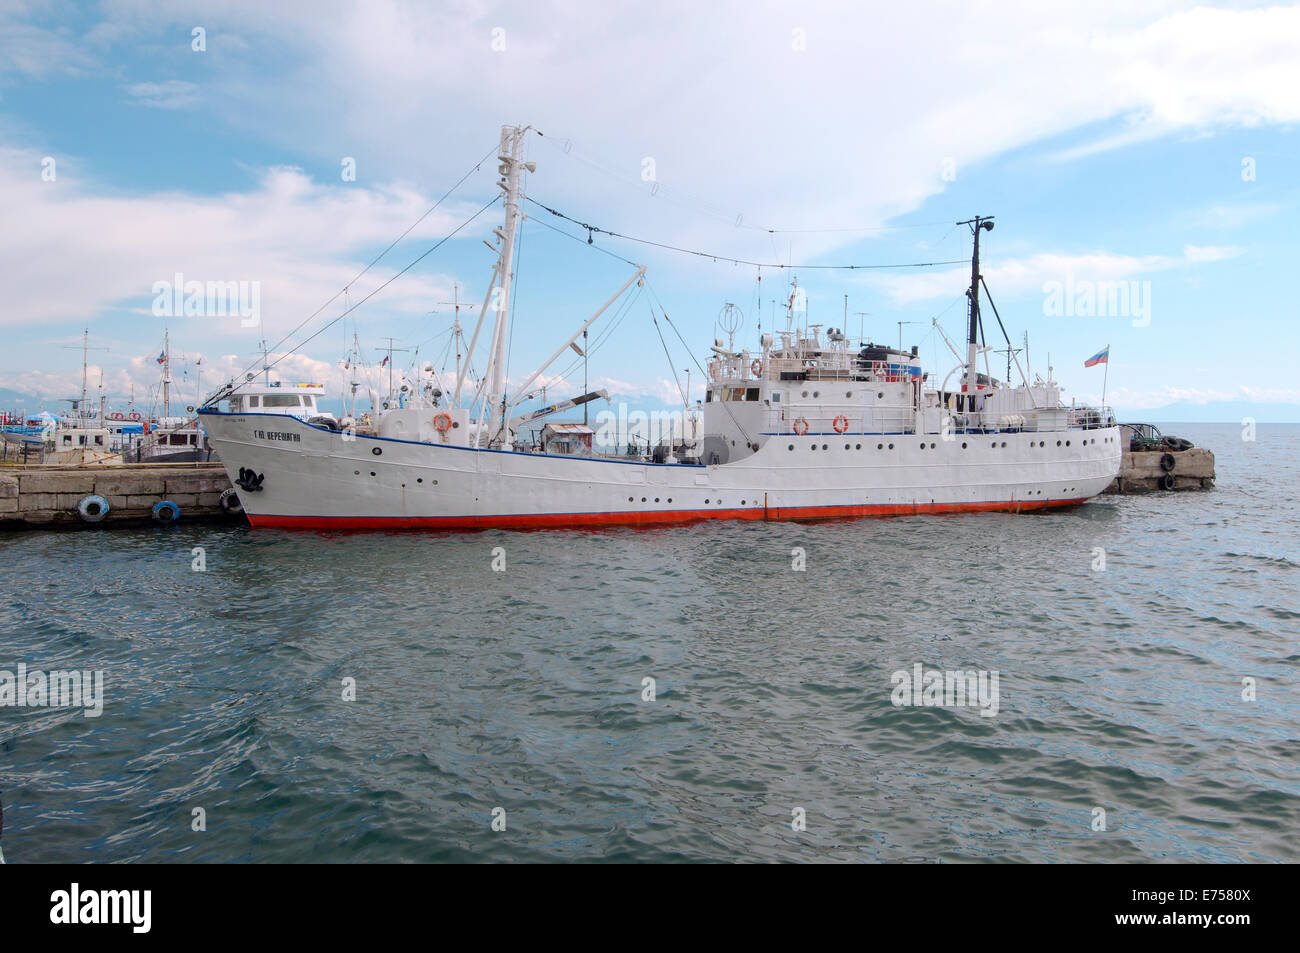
[
  {"x": 49, "y": 496},
  {"x": 1143, "y": 472}
]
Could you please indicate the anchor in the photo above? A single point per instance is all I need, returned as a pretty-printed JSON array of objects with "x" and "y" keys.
[{"x": 250, "y": 481}]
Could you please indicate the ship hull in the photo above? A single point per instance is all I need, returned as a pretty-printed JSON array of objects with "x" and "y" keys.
[{"x": 313, "y": 478}]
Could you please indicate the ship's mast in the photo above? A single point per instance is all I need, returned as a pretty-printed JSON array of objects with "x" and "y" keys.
[
  {"x": 978, "y": 223},
  {"x": 511, "y": 171},
  {"x": 167, "y": 374}
]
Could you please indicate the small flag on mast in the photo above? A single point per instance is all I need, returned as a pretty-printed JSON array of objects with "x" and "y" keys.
[
  {"x": 162, "y": 357},
  {"x": 1101, "y": 357},
  {"x": 383, "y": 362}
]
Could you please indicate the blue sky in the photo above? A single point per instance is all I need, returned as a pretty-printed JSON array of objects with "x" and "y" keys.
[{"x": 1152, "y": 147}]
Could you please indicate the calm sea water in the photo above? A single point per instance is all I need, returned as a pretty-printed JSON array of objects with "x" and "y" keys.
[{"x": 522, "y": 690}]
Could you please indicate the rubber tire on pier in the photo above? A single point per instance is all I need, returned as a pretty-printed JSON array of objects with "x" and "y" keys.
[
  {"x": 1167, "y": 462},
  {"x": 229, "y": 502},
  {"x": 92, "y": 509},
  {"x": 165, "y": 511},
  {"x": 1167, "y": 482}
]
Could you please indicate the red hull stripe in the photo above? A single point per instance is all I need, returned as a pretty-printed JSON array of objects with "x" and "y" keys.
[{"x": 561, "y": 520}]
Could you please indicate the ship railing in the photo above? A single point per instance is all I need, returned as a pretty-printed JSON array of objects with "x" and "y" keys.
[{"x": 1025, "y": 421}]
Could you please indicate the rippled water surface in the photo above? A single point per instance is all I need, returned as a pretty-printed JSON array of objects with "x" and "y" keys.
[{"x": 1120, "y": 689}]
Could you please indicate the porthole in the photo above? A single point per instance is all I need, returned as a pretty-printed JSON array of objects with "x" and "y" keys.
[
  {"x": 922, "y": 445},
  {"x": 881, "y": 395},
  {"x": 372, "y": 472},
  {"x": 706, "y": 501},
  {"x": 994, "y": 445},
  {"x": 1004, "y": 443},
  {"x": 858, "y": 446},
  {"x": 377, "y": 451},
  {"x": 742, "y": 502},
  {"x": 825, "y": 446},
  {"x": 880, "y": 446},
  {"x": 1041, "y": 444},
  {"x": 791, "y": 446},
  {"x": 963, "y": 446},
  {"x": 848, "y": 393},
  {"x": 891, "y": 446},
  {"x": 932, "y": 446},
  {"x": 813, "y": 447},
  {"x": 435, "y": 482},
  {"x": 656, "y": 499},
  {"x": 419, "y": 479},
  {"x": 670, "y": 499},
  {"x": 630, "y": 500},
  {"x": 805, "y": 394},
  {"x": 643, "y": 499},
  {"x": 846, "y": 446},
  {"x": 1058, "y": 443},
  {"x": 356, "y": 473},
  {"x": 1067, "y": 443},
  {"x": 817, "y": 393}
]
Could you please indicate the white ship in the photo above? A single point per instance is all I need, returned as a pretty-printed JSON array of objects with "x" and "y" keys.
[{"x": 806, "y": 426}]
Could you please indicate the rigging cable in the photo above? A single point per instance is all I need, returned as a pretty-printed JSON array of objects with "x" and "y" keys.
[
  {"x": 592, "y": 229},
  {"x": 377, "y": 258},
  {"x": 442, "y": 241}
]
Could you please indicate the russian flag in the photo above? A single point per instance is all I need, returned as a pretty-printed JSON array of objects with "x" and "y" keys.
[
  {"x": 1101, "y": 357},
  {"x": 162, "y": 358}
]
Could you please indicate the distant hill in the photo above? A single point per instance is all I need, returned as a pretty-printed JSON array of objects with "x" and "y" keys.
[{"x": 1224, "y": 411}]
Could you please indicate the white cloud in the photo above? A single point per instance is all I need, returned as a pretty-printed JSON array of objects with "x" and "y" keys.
[
  {"x": 171, "y": 94},
  {"x": 1013, "y": 276},
  {"x": 81, "y": 252}
]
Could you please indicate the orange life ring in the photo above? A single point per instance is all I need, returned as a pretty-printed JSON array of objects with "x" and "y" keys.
[
  {"x": 841, "y": 424},
  {"x": 756, "y": 366},
  {"x": 135, "y": 415},
  {"x": 442, "y": 423},
  {"x": 801, "y": 423}
]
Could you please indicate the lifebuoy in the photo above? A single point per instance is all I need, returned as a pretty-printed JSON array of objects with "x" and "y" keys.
[
  {"x": 841, "y": 424},
  {"x": 756, "y": 366},
  {"x": 165, "y": 511},
  {"x": 801, "y": 426},
  {"x": 230, "y": 502},
  {"x": 117, "y": 415},
  {"x": 442, "y": 423},
  {"x": 135, "y": 415},
  {"x": 92, "y": 509}
]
